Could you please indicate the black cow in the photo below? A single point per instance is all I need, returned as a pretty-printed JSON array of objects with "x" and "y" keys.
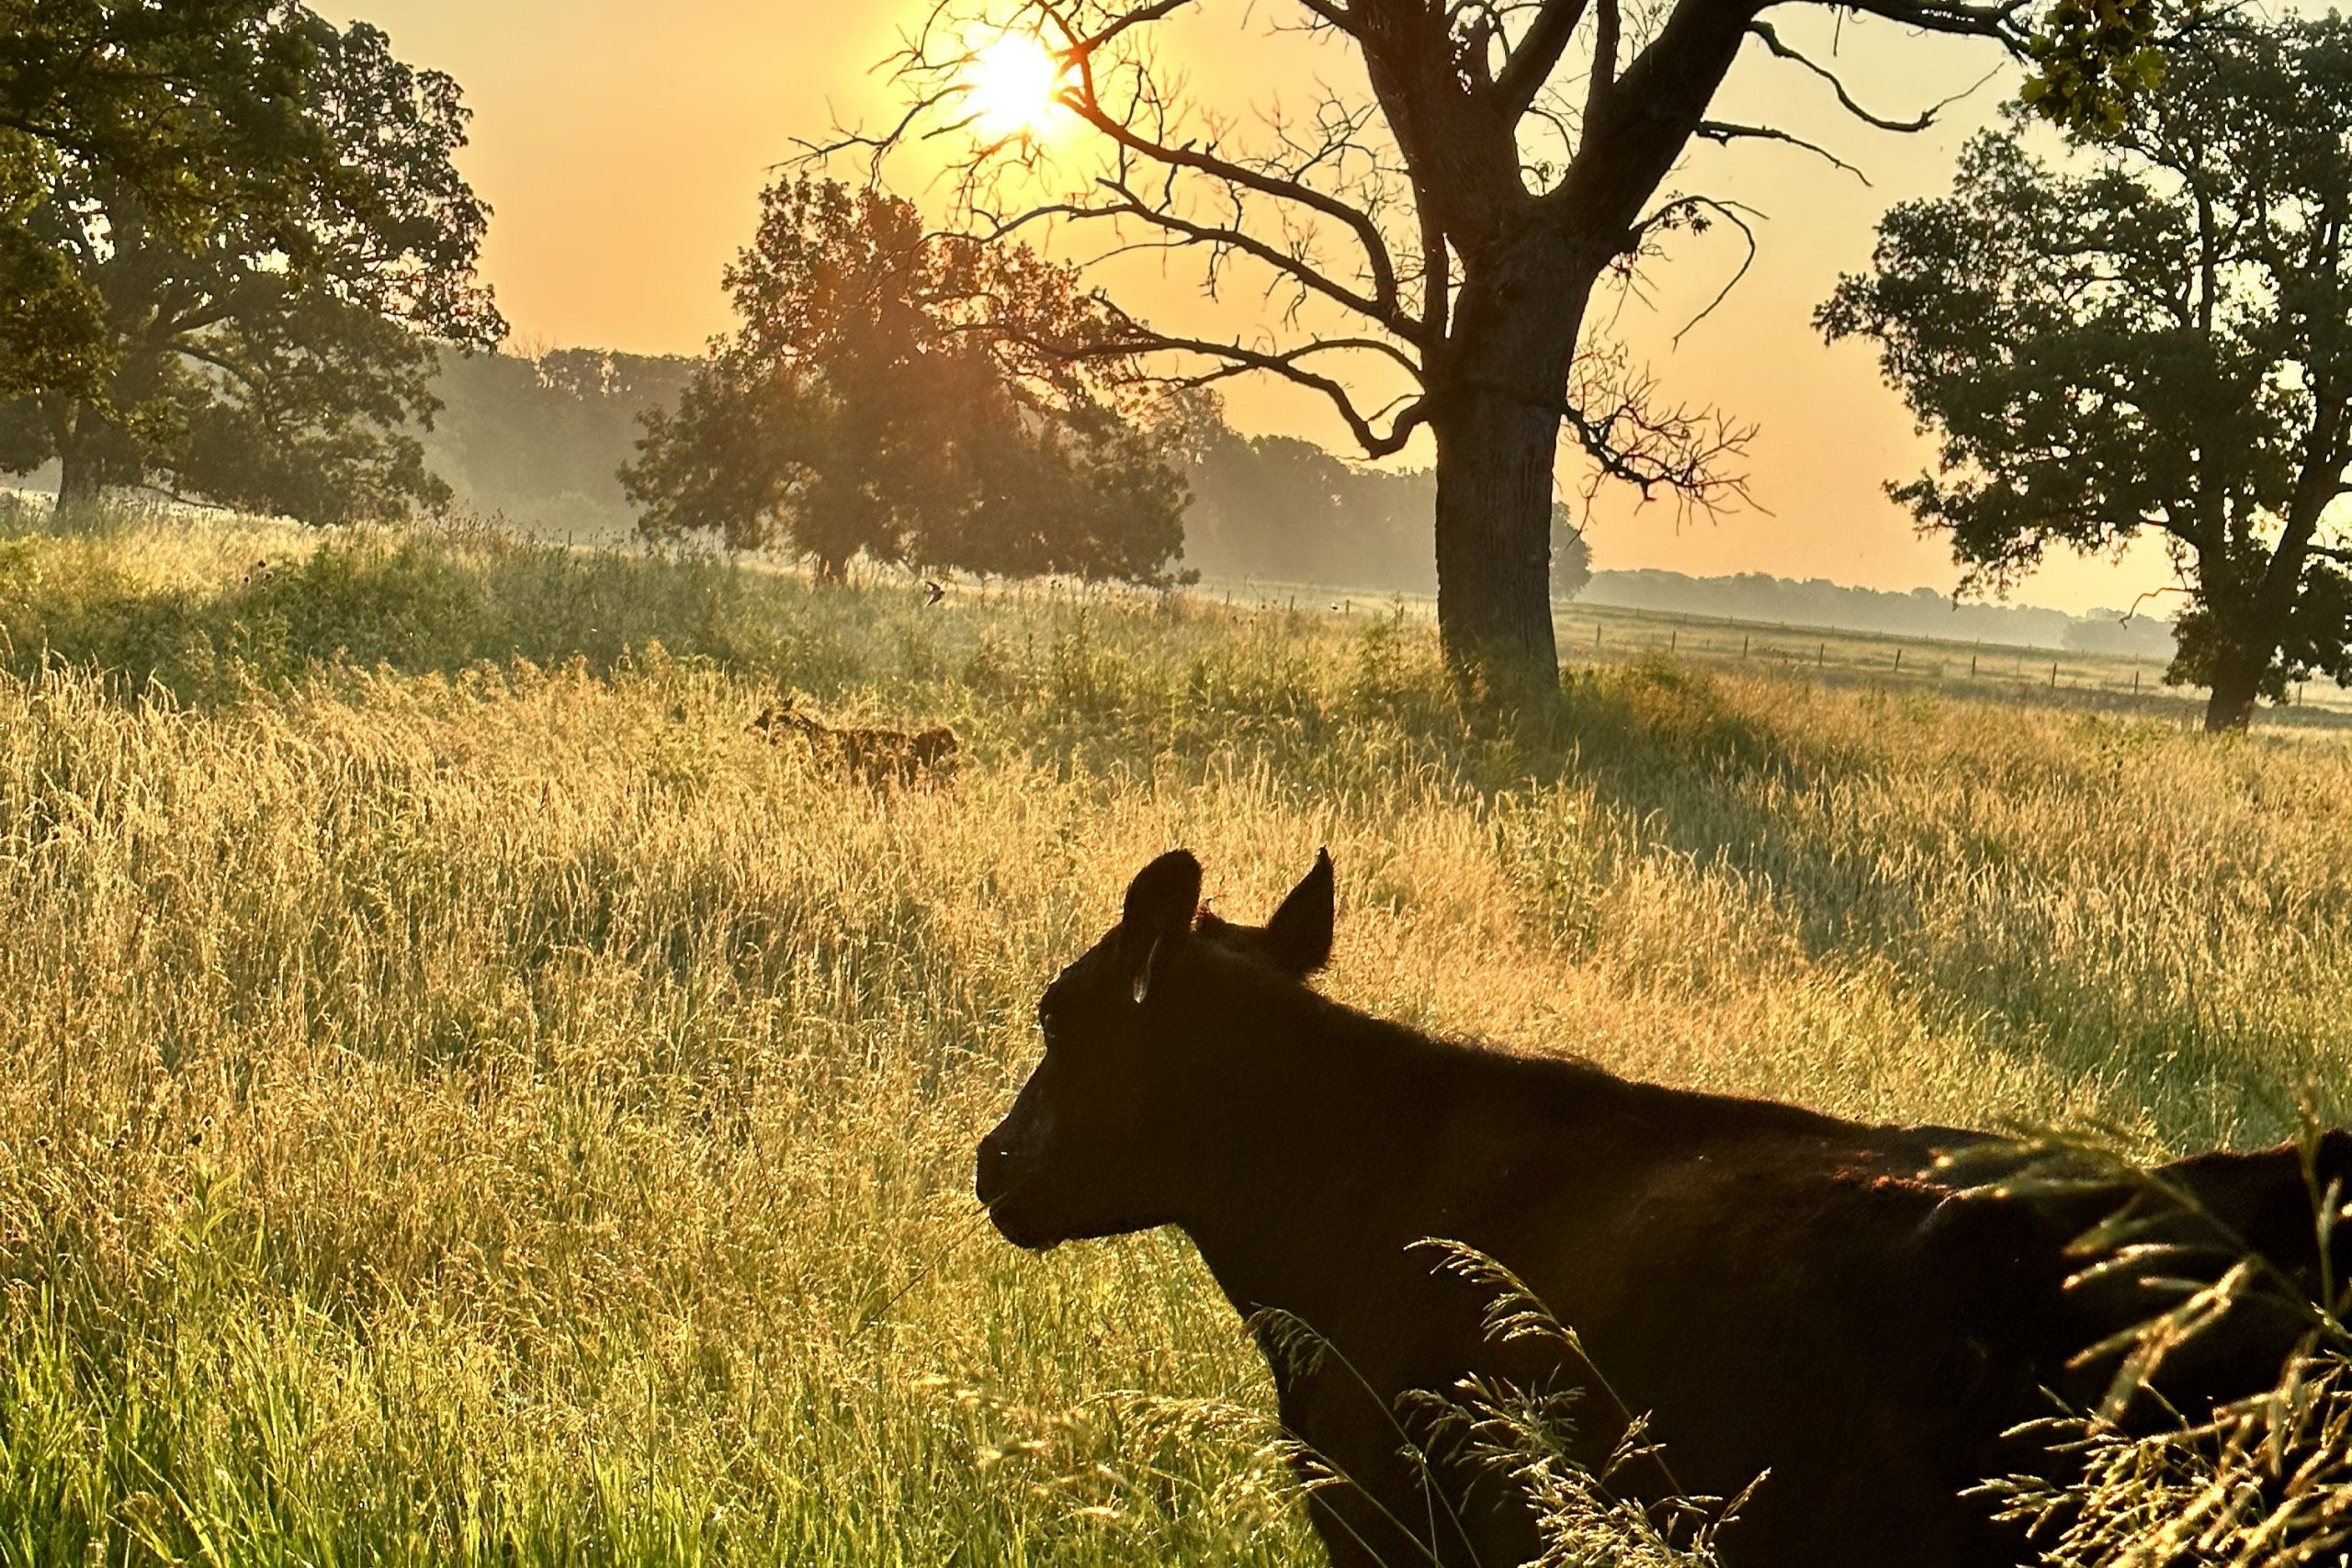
[{"x": 1782, "y": 1291}]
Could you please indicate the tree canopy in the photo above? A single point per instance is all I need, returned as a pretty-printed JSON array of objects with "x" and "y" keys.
[
  {"x": 2150, "y": 332},
  {"x": 133, "y": 89},
  {"x": 249, "y": 270},
  {"x": 914, "y": 398}
]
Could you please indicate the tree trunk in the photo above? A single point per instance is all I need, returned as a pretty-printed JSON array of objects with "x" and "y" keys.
[
  {"x": 80, "y": 478},
  {"x": 1496, "y": 410},
  {"x": 92, "y": 452},
  {"x": 2254, "y": 625},
  {"x": 2237, "y": 682},
  {"x": 1494, "y": 543},
  {"x": 1499, "y": 389}
]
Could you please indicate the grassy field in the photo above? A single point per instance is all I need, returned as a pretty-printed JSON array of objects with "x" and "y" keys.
[{"x": 469, "y": 1097}]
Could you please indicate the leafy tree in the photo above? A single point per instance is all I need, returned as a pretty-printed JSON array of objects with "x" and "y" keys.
[
  {"x": 1434, "y": 230},
  {"x": 1571, "y": 555},
  {"x": 137, "y": 90},
  {"x": 912, "y": 398},
  {"x": 261, "y": 344},
  {"x": 2154, "y": 334}
]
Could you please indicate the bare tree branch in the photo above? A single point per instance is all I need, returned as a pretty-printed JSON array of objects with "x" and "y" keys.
[
  {"x": 1926, "y": 117},
  {"x": 1335, "y": 16},
  {"x": 1084, "y": 100},
  {"x": 1603, "y": 79},
  {"x": 1996, "y": 21},
  {"x": 1530, "y": 65},
  {"x": 1083, "y": 48},
  {"x": 1725, "y": 132},
  {"x": 2154, "y": 594},
  {"x": 1613, "y": 413},
  {"x": 876, "y": 148},
  {"x": 1235, "y": 358},
  {"x": 1690, "y": 210},
  {"x": 1185, "y": 233}
]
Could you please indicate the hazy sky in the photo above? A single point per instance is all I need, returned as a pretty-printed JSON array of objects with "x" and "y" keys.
[{"x": 623, "y": 146}]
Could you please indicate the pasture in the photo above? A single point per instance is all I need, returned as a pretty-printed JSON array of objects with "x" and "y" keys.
[
  {"x": 469, "y": 1096},
  {"x": 1949, "y": 667}
]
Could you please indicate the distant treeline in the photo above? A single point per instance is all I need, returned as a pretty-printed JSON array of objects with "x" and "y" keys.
[
  {"x": 1923, "y": 612},
  {"x": 540, "y": 442},
  {"x": 1282, "y": 509}
]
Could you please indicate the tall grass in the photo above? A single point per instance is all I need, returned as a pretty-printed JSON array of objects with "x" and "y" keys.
[{"x": 467, "y": 1096}]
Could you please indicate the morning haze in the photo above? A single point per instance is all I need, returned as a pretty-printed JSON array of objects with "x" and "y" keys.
[{"x": 623, "y": 148}]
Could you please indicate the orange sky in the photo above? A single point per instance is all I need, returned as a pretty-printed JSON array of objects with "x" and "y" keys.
[{"x": 623, "y": 146}]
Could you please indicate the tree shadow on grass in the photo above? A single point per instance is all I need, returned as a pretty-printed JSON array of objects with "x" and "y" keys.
[
  {"x": 1975, "y": 930},
  {"x": 1981, "y": 929}
]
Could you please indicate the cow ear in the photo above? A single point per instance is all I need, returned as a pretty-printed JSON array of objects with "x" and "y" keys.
[
  {"x": 1161, "y": 902},
  {"x": 1299, "y": 935}
]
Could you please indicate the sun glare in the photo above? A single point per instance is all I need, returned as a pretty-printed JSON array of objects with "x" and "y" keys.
[{"x": 1013, "y": 82}]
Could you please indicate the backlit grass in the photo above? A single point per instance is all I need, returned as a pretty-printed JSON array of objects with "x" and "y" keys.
[{"x": 464, "y": 1095}]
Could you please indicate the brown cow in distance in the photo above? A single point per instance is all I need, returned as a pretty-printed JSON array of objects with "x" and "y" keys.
[
  {"x": 1781, "y": 1290},
  {"x": 878, "y": 758}
]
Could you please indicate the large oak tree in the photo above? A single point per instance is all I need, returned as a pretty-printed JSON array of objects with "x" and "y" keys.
[
  {"x": 266, "y": 278},
  {"x": 1499, "y": 162},
  {"x": 166, "y": 98},
  {"x": 2150, "y": 334}
]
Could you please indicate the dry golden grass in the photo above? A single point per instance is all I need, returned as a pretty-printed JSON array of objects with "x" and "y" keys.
[{"x": 468, "y": 1096}]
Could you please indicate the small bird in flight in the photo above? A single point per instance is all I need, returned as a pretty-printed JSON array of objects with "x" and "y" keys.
[{"x": 932, "y": 591}]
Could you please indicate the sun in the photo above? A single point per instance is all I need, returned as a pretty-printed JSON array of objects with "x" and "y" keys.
[{"x": 1012, "y": 84}]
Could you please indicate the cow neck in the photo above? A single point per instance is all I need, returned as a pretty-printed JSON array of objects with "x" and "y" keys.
[{"x": 1321, "y": 1118}]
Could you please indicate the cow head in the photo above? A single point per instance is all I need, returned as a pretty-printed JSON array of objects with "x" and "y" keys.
[{"x": 1102, "y": 1139}]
